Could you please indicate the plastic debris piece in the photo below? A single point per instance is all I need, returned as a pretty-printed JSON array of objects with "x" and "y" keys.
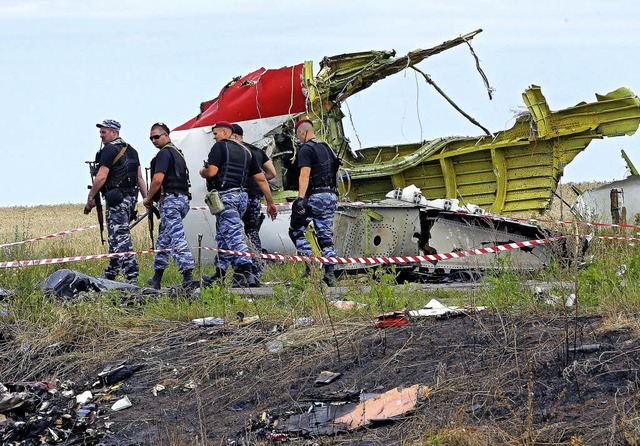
[
  {"x": 331, "y": 419},
  {"x": 85, "y": 410},
  {"x": 210, "y": 321},
  {"x": 249, "y": 320},
  {"x": 277, "y": 437},
  {"x": 303, "y": 322},
  {"x": 437, "y": 309},
  {"x": 157, "y": 388},
  {"x": 280, "y": 342},
  {"x": 326, "y": 376},
  {"x": 114, "y": 374},
  {"x": 347, "y": 304},
  {"x": 84, "y": 397},
  {"x": 568, "y": 301},
  {"x": 11, "y": 402},
  {"x": 275, "y": 345},
  {"x": 121, "y": 404},
  {"x": 392, "y": 319}
]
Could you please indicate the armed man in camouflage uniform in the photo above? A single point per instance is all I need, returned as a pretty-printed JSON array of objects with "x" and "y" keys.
[
  {"x": 119, "y": 178},
  {"x": 252, "y": 217},
  {"x": 170, "y": 188},
  {"x": 227, "y": 169},
  {"x": 317, "y": 197}
]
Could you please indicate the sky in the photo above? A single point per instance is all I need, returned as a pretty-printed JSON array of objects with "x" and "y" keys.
[{"x": 69, "y": 64}]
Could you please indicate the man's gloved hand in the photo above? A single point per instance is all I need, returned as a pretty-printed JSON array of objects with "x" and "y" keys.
[{"x": 299, "y": 205}]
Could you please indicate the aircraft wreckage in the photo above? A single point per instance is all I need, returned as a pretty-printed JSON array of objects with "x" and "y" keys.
[
  {"x": 514, "y": 171},
  {"x": 616, "y": 202}
]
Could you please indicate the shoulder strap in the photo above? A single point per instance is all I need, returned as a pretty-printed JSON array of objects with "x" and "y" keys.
[
  {"x": 243, "y": 146},
  {"x": 119, "y": 155},
  {"x": 175, "y": 149}
]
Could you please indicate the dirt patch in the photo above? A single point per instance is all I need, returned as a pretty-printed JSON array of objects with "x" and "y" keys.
[{"x": 494, "y": 379}]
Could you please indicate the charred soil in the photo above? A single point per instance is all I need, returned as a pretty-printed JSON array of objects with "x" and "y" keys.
[{"x": 493, "y": 379}]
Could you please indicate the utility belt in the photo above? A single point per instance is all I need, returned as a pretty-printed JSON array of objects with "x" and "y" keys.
[
  {"x": 176, "y": 192},
  {"x": 231, "y": 189},
  {"x": 133, "y": 190},
  {"x": 213, "y": 199},
  {"x": 114, "y": 196},
  {"x": 325, "y": 189}
]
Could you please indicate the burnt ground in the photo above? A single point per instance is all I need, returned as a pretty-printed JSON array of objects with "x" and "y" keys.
[{"x": 494, "y": 379}]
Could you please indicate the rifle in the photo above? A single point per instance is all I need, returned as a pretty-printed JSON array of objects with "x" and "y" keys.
[
  {"x": 134, "y": 223},
  {"x": 150, "y": 213},
  {"x": 152, "y": 210},
  {"x": 93, "y": 171}
]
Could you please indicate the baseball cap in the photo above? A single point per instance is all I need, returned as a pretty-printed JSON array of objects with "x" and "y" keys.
[
  {"x": 110, "y": 123},
  {"x": 163, "y": 126},
  {"x": 302, "y": 121},
  {"x": 237, "y": 129},
  {"x": 222, "y": 124}
]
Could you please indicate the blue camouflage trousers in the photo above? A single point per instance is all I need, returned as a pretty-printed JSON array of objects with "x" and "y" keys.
[
  {"x": 252, "y": 220},
  {"x": 173, "y": 209},
  {"x": 229, "y": 229},
  {"x": 320, "y": 209},
  {"x": 119, "y": 239}
]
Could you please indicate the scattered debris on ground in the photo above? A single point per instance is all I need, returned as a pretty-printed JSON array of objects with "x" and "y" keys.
[{"x": 494, "y": 378}]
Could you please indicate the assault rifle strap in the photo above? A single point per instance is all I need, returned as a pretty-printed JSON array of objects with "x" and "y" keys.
[{"x": 119, "y": 155}]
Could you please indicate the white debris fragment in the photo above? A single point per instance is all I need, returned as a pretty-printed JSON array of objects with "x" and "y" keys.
[
  {"x": 121, "y": 404},
  {"x": 84, "y": 397},
  {"x": 157, "y": 388},
  {"x": 436, "y": 308}
]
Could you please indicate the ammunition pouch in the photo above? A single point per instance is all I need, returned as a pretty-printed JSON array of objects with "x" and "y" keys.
[
  {"x": 214, "y": 202},
  {"x": 297, "y": 220},
  {"x": 113, "y": 197}
]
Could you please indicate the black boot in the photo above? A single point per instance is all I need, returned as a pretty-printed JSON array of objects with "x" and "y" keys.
[
  {"x": 252, "y": 279},
  {"x": 329, "y": 275},
  {"x": 187, "y": 276},
  {"x": 243, "y": 276},
  {"x": 239, "y": 279},
  {"x": 156, "y": 279},
  {"x": 217, "y": 277},
  {"x": 307, "y": 271}
]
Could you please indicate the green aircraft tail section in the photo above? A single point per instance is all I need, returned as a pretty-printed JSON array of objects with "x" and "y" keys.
[{"x": 513, "y": 171}]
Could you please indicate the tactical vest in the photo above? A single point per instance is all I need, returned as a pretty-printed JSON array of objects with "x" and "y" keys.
[
  {"x": 123, "y": 174},
  {"x": 324, "y": 169},
  {"x": 176, "y": 178},
  {"x": 252, "y": 186},
  {"x": 234, "y": 171}
]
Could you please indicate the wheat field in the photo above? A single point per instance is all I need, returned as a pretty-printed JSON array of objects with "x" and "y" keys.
[{"x": 19, "y": 223}]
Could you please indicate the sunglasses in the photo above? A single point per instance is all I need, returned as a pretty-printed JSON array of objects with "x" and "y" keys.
[{"x": 156, "y": 137}]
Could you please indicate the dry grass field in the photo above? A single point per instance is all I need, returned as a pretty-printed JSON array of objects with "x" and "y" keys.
[
  {"x": 24, "y": 222},
  {"x": 27, "y": 222},
  {"x": 524, "y": 372}
]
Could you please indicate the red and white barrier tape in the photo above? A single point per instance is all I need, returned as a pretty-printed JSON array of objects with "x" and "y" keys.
[
  {"x": 45, "y": 237},
  {"x": 362, "y": 260},
  {"x": 402, "y": 259},
  {"x": 625, "y": 239},
  {"x": 492, "y": 217},
  {"x": 19, "y": 263}
]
